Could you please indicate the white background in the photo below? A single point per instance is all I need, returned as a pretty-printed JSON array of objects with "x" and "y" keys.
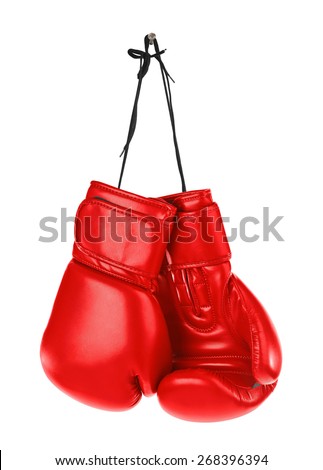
[{"x": 248, "y": 104}]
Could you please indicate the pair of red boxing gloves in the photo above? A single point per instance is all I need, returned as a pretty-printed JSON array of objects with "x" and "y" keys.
[{"x": 149, "y": 304}]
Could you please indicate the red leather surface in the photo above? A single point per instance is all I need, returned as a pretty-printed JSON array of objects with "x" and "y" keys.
[
  {"x": 106, "y": 342},
  {"x": 226, "y": 353}
]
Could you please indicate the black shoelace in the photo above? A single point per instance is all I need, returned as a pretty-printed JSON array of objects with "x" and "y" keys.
[{"x": 145, "y": 59}]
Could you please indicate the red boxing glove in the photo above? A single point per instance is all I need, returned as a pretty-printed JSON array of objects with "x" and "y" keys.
[
  {"x": 106, "y": 342},
  {"x": 226, "y": 353}
]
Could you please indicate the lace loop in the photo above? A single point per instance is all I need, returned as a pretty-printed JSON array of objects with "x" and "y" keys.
[{"x": 145, "y": 60}]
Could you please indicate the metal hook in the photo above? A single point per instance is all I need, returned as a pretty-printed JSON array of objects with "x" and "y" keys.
[{"x": 151, "y": 37}]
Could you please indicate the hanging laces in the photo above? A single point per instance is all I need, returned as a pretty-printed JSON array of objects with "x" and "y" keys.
[{"x": 145, "y": 59}]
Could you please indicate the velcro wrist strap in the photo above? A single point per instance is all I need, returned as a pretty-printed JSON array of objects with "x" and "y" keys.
[
  {"x": 118, "y": 240},
  {"x": 198, "y": 238}
]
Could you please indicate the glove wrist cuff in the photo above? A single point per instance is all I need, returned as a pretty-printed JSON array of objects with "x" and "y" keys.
[
  {"x": 122, "y": 234},
  {"x": 199, "y": 237}
]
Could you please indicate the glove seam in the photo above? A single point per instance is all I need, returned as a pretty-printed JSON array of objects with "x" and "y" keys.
[
  {"x": 214, "y": 357},
  {"x": 251, "y": 330},
  {"x": 221, "y": 374},
  {"x": 196, "y": 301},
  {"x": 212, "y": 262},
  {"x": 117, "y": 208},
  {"x": 105, "y": 259},
  {"x": 114, "y": 275},
  {"x": 195, "y": 197},
  {"x": 192, "y": 307},
  {"x": 134, "y": 198},
  {"x": 228, "y": 314}
]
